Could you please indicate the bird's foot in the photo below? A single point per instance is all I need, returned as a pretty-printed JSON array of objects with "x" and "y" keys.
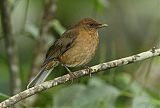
[
  {"x": 72, "y": 76},
  {"x": 89, "y": 70}
]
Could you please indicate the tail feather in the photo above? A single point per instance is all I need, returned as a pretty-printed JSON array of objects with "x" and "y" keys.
[{"x": 39, "y": 78}]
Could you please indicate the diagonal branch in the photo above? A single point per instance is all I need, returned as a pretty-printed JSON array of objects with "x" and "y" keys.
[
  {"x": 94, "y": 69},
  {"x": 10, "y": 47}
]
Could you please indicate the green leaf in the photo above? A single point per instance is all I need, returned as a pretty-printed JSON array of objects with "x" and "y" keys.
[
  {"x": 97, "y": 94},
  {"x": 32, "y": 30},
  {"x": 100, "y": 5},
  {"x": 58, "y": 27},
  {"x": 141, "y": 98},
  {"x": 142, "y": 102},
  {"x": 3, "y": 97}
]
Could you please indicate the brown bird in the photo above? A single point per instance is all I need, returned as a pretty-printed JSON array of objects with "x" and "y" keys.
[{"x": 75, "y": 47}]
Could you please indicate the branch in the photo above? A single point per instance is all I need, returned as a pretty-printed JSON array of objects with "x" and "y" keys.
[
  {"x": 94, "y": 69},
  {"x": 10, "y": 47},
  {"x": 40, "y": 50}
]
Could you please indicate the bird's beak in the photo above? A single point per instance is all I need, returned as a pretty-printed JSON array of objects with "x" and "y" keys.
[{"x": 102, "y": 25}]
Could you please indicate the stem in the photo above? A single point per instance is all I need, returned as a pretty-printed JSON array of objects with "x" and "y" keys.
[{"x": 11, "y": 48}]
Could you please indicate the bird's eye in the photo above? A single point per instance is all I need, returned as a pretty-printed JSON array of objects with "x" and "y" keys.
[{"x": 91, "y": 25}]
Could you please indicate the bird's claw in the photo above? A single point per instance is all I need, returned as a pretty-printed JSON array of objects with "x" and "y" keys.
[
  {"x": 72, "y": 76},
  {"x": 89, "y": 70}
]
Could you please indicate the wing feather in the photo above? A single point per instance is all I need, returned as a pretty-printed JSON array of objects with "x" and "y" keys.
[{"x": 65, "y": 42}]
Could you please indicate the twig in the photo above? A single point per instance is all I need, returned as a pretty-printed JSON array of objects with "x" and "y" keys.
[
  {"x": 40, "y": 50},
  {"x": 10, "y": 47},
  {"x": 94, "y": 69}
]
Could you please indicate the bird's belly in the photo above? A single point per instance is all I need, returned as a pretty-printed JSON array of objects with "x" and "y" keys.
[{"x": 80, "y": 54}]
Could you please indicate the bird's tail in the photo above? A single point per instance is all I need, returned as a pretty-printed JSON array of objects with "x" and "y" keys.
[{"x": 40, "y": 77}]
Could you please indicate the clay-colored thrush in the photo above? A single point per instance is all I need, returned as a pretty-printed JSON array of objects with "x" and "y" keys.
[{"x": 75, "y": 47}]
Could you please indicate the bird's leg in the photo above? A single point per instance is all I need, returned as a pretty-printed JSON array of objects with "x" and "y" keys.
[{"x": 70, "y": 73}]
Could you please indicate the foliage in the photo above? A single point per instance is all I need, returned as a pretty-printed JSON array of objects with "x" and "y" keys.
[
  {"x": 133, "y": 28},
  {"x": 98, "y": 94}
]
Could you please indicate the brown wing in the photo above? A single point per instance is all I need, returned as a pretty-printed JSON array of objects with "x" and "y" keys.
[{"x": 60, "y": 46}]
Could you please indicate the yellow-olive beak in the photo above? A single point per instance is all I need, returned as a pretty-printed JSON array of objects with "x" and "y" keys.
[{"x": 102, "y": 25}]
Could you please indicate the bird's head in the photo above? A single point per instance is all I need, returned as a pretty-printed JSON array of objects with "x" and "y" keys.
[{"x": 91, "y": 24}]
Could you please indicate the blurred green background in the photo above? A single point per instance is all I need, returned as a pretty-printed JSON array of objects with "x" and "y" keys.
[{"x": 134, "y": 27}]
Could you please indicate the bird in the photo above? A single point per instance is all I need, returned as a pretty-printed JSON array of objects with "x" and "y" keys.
[{"x": 76, "y": 47}]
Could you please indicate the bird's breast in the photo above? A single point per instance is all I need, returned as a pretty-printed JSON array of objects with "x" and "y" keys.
[{"x": 82, "y": 51}]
